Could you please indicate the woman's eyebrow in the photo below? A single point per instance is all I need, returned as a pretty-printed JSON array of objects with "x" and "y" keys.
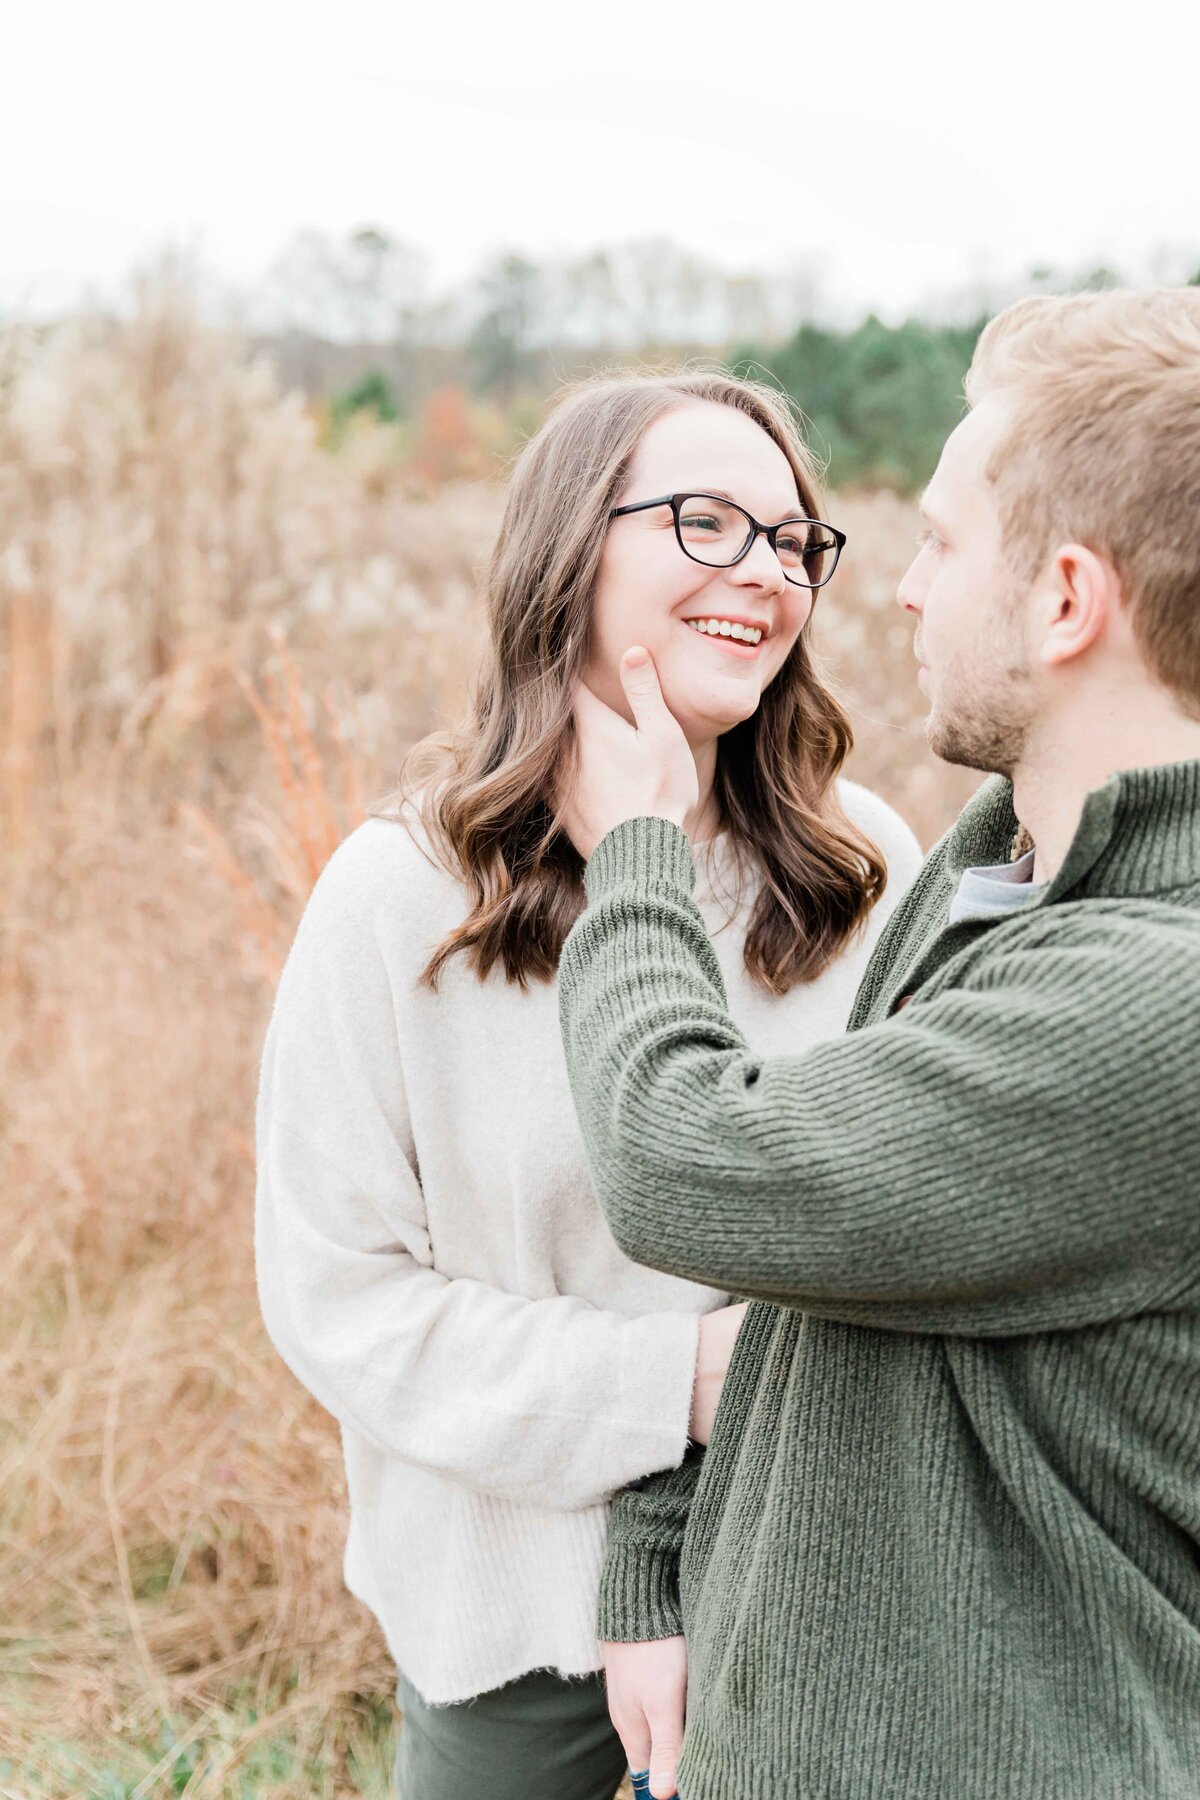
[
  {"x": 794, "y": 511},
  {"x": 718, "y": 493}
]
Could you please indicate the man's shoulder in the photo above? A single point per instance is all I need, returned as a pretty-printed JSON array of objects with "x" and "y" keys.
[
  {"x": 1114, "y": 918},
  {"x": 1113, "y": 944}
]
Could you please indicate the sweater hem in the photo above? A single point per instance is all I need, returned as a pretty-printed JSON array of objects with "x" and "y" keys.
[{"x": 570, "y": 1668}]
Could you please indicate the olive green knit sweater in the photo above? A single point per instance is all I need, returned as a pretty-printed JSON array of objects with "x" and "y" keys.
[{"x": 945, "y": 1541}]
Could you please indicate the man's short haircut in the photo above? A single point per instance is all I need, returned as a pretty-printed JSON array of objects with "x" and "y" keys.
[{"x": 1104, "y": 450}]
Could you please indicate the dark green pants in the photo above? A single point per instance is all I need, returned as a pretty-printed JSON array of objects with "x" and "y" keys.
[{"x": 538, "y": 1738}]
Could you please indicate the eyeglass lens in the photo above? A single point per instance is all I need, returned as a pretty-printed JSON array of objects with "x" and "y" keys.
[{"x": 716, "y": 532}]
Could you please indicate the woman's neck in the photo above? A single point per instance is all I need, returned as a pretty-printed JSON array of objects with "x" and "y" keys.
[{"x": 704, "y": 820}]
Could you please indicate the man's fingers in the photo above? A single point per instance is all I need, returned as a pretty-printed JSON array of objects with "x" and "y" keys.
[
  {"x": 639, "y": 678},
  {"x": 587, "y": 704},
  {"x": 667, "y": 1734},
  {"x": 635, "y": 1740},
  {"x": 597, "y": 725}
]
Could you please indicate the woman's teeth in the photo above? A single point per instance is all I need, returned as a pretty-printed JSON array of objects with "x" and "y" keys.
[{"x": 748, "y": 634}]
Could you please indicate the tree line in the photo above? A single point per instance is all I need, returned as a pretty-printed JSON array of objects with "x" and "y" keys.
[{"x": 356, "y": 322}]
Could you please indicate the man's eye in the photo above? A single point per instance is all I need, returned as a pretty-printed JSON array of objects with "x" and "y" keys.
[{"x": 929, "y": 540}]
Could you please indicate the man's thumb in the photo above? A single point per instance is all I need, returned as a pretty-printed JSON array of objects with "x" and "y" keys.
[
  {"x": 639, "y": 678},
  {"x": 666, "y": 1743},
  {"x": 662, "y": 1774}
]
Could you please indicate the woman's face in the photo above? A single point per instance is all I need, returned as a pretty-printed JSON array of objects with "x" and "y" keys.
[{"x": 647, "y": 589}]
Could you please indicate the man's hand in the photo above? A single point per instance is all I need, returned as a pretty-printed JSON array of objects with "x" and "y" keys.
[
  {"x": 625, "y": 771},
  {"x": 718, "y": 1335},
  {"x": 647, "y": 1694}
]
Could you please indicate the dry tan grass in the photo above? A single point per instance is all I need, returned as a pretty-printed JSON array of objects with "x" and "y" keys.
[{"x": 216, "y": 640}]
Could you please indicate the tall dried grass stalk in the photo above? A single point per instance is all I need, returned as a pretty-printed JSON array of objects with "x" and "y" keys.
[
  {"x": 34, "y": 719},
  {"x": 298, "y": 834}
]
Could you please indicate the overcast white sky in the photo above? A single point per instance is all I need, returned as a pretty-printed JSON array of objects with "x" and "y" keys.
[{"x": 905, "y": 149}]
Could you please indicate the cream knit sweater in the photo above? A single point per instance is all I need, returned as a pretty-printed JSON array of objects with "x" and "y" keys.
[{"x": 433, "y": 1266}]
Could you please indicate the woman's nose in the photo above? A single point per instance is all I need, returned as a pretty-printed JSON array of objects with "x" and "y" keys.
[{"x": 760, "y": 566}]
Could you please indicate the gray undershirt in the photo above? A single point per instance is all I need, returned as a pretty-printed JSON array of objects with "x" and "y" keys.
[{"x": 1003, "y": 888}]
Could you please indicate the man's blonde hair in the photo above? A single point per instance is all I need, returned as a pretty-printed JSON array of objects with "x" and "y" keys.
[{"x": 1104, "y": 449}]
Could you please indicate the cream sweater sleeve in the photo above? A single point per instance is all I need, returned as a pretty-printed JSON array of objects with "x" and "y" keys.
[{"x": 551, "y": 1401}]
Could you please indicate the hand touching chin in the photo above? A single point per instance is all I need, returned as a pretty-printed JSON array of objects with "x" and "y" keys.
[{"x": 623, "y": 771}]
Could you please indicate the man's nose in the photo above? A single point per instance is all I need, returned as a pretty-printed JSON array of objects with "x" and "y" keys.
[{"x": 908, "y": 593}]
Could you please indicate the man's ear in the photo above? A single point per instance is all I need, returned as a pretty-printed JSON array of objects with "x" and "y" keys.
[{"x": 1083, "y": 601}]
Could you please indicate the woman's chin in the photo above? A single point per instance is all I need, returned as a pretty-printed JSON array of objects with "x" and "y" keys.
[{"x": 711, "y": 717}]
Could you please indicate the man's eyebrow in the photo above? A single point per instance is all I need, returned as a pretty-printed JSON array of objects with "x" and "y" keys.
[{"x": 929, "y": 517}]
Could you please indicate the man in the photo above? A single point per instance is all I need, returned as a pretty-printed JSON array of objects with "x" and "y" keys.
[{"x": 945, "y": 1541}]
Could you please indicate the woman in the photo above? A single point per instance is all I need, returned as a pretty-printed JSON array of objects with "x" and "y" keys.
[{"x": 431, "y": 1259}]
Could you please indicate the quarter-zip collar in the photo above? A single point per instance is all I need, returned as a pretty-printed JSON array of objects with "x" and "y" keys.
[{"x": 1139, "y": 834}]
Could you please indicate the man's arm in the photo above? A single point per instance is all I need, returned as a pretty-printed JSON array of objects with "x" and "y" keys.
[
  {"x": 639, "y": 1589},
  {"x": 1013, "y": 1153},
  {"x": 640, "y": 1623}
]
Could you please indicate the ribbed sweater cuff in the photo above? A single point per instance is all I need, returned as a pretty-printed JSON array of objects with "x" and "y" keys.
[
  {"x": 639, "y": 1595},
  {"x": 645, "y": 853}
]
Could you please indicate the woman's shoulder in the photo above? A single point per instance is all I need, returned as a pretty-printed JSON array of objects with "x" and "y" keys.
[
  {"x": 886, "y": 828},
  {"x": 387, "y": 867}
]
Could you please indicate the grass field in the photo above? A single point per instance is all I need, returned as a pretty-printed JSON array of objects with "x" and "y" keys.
[{"x": 217, "y": 640}]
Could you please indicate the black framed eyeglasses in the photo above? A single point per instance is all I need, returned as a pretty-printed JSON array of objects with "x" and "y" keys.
[{"x": 719, "y": 533}]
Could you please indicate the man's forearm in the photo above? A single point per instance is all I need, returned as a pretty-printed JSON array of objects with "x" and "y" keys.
[
  {"x": 639, "y": 1589},
  {"x": 943, "y": 1170}
]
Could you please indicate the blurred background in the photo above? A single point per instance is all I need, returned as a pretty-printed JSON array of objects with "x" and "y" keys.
[{"x": 282, "y": 292}]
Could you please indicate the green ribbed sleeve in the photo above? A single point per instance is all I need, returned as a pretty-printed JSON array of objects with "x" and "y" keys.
[
  {"x": 639, "y": 1590},
  {"x": 960, "y": 1166}
]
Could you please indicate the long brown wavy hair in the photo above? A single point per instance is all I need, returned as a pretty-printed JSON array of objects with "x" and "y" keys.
[{"x": 486, "y": 788}]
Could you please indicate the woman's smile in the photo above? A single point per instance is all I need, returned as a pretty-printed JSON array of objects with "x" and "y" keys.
[{"x": 734, "y": 633}]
